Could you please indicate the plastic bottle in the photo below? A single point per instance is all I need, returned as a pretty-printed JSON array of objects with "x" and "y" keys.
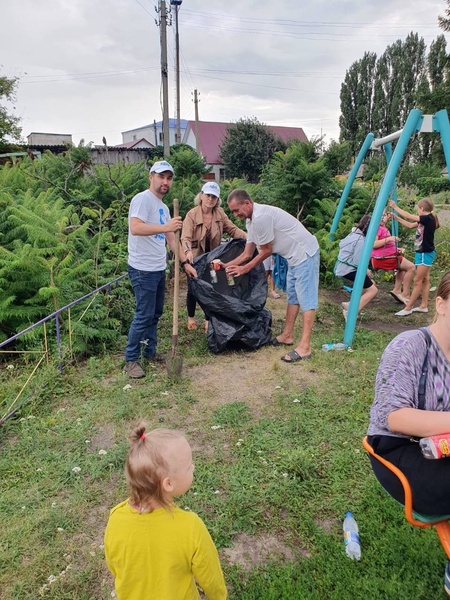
[
  {"x": 436, "y": 446},
  {"x": 213, "y": 274},
  {"x": 351, "y": 537},
  {"x": 327, "y": 347},
  {"x": 339, "y": 346}
]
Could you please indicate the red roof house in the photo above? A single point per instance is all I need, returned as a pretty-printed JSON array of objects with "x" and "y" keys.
[{"x": 207, "y": 137}]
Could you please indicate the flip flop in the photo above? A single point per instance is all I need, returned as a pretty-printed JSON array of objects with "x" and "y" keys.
[
  {"x": 397, "y": 297},
  {"x": 275, "y": 342},
  {"x": 295, "y": 357}
]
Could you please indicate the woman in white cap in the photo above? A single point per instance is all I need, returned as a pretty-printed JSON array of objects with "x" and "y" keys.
[{"x": 203, "y": 228}]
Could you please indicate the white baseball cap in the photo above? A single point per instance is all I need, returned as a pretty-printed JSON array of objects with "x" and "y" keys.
[
  {"x": 212, "y": 188},
  {"x": 160, "y": 166}
]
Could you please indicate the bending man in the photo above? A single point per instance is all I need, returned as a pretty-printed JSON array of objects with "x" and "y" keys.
[{"x": 274, "y": 230}]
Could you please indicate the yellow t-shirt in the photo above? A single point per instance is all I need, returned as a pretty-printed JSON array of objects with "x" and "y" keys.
[{"x": 157, "y": 555}]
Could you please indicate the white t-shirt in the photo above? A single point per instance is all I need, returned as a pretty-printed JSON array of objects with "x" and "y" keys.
[
  {"x": 289, "y": 238},
  {"x": 147, "y": 252}
]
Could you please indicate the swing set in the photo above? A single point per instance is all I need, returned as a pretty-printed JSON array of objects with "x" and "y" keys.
[{"x": 415, "y": 123}]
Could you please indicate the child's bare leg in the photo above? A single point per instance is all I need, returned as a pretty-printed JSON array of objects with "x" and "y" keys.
[{"x": 421, "y": 275}]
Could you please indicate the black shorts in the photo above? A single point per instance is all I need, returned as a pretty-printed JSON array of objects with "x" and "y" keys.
[{"x": 351, "y": 277}]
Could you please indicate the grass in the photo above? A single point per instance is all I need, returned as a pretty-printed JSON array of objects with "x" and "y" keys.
[{"x": 287, "y": 466}]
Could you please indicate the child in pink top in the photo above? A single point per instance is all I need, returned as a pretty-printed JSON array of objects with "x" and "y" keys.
[{"x": 388, "y": 257}]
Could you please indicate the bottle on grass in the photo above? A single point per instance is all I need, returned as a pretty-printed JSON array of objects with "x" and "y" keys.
[{"x": 351, "y": 537}]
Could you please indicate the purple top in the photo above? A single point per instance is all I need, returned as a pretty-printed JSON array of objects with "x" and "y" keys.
[{"x": 398, "y": 375}]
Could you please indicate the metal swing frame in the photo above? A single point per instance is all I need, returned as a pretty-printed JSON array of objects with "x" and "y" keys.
[{"x": 415, "y": 123}]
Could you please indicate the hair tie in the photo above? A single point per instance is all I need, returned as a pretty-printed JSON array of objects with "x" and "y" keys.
[{"x": 143, "y": 436}]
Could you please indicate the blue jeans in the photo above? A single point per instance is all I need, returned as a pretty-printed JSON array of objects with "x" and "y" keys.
[{"x": 148, "y": 288}]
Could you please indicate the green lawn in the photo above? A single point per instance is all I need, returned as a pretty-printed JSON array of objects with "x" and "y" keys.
[{"x": 278, "y": 463}]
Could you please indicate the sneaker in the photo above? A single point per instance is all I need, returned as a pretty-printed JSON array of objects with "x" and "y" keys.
[
  {"x": 345, "y": 305},
  {"x": 403, "y": 313},
  {"x": 447, "y": 578},
  {"x": 420, "y": 309},
  {"x": 134, "y": 370}
]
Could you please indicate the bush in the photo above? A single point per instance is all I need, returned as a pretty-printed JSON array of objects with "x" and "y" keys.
[{"x": 432, "y": 185}]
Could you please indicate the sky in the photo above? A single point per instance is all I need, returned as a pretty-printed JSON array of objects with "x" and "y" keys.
[{"x": 91, "y": 68}]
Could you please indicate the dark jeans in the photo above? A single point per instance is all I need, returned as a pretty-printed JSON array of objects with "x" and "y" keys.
[
  {"x": 429, "y": 479},
  {"x": 148, "y": 288}
]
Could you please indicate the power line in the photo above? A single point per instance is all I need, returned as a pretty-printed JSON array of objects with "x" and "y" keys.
[
  {"x": 274, "y": 87},
  {"x": 296, "y": 23}
]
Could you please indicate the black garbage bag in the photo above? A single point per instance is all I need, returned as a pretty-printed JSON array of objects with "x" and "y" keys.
[{"x": 237, "y": 315}]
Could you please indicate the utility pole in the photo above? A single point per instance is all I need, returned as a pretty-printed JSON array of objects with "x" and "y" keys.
[
  {"x": 177, "y": 4},
  {"x": 197, "y": 135},
  {"x": 164, "y": 78},
  {"x": 155, "y": 132}
]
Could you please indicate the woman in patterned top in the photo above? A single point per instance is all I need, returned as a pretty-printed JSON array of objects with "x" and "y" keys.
[{"x": 397, "y": 422}]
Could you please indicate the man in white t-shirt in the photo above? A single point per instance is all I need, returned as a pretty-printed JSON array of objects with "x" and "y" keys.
[
  {"x": 274, "y": 231},
  {"x": 150, "y": 228}
]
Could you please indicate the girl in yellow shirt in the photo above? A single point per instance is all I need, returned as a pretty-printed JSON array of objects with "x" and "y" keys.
[{"x": 153, "y": 548}]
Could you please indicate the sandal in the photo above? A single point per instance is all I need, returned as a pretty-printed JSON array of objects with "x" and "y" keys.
[
  {"x": 398, "y": 297},
  {"x": 294, "y": 357},
  {"x": 276, "y": 342}
]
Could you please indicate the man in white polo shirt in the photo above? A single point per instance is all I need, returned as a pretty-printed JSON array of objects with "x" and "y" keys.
[
  {"x": 274, "y": 231},
  {"x": 149, "y": 229}
]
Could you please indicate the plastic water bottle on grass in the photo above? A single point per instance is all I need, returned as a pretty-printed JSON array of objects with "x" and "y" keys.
[
  {"x": 339, "y": 346},
  {"x": 351, "y": 537}
]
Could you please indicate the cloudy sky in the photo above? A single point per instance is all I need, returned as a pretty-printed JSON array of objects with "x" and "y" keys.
[{"x": 92, "y": 67}]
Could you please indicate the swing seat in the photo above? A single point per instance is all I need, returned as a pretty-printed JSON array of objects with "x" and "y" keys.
[
  {"x": 439, "y": 522},
  {"x": 381, "y": 258}
]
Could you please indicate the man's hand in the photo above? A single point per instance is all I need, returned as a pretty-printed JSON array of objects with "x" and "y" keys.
[
  {"x": 174, "y": 224},
  {"x": 189, "y": 270},
  {"x": 236, "y": 270}
]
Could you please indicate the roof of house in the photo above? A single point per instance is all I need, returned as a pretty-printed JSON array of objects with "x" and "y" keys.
[
  {"x": 212, "y": 135},
  {"x": 132, "y": 144}
]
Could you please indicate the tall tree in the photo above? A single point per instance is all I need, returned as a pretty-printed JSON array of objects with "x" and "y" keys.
[
  {"x": 9, "y": 124},
  {"x": 444, "y": 22},
  {"x": 357, "y": 101},
  {"x": 433, "y": 94},
  {"x": 378, "y": 94},
  {"x": 247, "y": 147}
]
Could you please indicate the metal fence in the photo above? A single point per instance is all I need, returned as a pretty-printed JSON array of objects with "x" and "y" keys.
[{"x": 44, "y": 354}]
